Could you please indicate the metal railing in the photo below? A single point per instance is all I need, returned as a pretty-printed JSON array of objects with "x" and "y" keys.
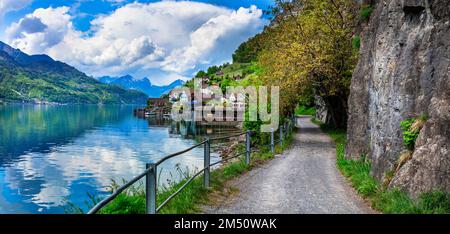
[{"x": 150, "y": 173}]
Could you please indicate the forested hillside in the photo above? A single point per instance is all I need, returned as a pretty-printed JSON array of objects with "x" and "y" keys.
[{"x": 39, "y": 78}]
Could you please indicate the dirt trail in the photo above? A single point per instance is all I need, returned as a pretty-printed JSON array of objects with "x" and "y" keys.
[{"x": 304, "y": 179}]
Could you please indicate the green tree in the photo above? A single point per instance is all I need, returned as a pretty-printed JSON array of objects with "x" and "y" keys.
[
  {"x": 212, "y": 70},
  {"x": 248, "y": 51},
  {"x": 310, "y": 47},
  {"x": 201, "y": 74}
]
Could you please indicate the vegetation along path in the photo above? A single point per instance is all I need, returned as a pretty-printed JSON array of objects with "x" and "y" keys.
[{"x": 303, "y": 179}]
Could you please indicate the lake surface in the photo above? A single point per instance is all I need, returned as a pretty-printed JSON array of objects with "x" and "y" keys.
[{"x": 51, "y": 156}]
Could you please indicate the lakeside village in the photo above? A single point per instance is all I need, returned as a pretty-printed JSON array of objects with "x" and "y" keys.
[{"x": 222, "y": 109}]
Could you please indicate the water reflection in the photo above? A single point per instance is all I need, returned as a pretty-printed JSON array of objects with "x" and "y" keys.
[{"x": 50, "y": 155}]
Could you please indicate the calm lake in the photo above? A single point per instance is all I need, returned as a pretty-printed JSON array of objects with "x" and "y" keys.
[{"x": 51, "y": 156}]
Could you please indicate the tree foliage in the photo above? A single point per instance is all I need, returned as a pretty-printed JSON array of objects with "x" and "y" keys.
[
  {"x": 248, "y": 51},
  {"x": 30, "y": 84},
  {"x": 201, "y": 74},
  {"x": 308, "y": 50},
  {"x": 309, "y": 45}
]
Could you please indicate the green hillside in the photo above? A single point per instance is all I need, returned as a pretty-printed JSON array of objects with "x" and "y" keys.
[{"x": 45, "y": 80}]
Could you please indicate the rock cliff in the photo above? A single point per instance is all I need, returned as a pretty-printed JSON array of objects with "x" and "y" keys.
[{"x": 403, "y": 72}]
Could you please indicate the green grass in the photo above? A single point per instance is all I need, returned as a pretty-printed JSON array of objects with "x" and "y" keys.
[
  {"x": 391, "y": 201},
  {"x": 235, "y": 69},
  {"x": 132, "y": 201},
  {"x": 303, "y": 110}
]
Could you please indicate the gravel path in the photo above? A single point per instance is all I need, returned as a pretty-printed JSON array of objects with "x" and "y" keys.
[{"x": 304, "y": 179}]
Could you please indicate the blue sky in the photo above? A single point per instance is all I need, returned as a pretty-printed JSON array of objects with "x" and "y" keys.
[{"x": 162, "y": 40}]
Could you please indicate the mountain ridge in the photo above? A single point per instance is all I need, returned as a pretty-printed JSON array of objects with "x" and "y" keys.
[
  {"x": 39, "y": 78},
  {"x": 143, "y": 85}
]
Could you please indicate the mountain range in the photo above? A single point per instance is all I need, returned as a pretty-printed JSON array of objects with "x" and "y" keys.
[
  {"x": 144, "y": 84},
  {"x": 39, "y": 78}
]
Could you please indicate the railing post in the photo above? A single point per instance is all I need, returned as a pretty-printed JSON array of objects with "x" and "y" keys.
[
  {"x": 206, "y": 163},
  {"x": 272, "y": 145},
  {"x": 247, "y": 148},
  {"x": 281, "y": 135},
  {"x": 150, "y": 189}
]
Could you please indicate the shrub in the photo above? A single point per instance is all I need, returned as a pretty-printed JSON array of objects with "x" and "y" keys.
[
  {"x": 409, "y": 135},
  {"x": 356, "y": 42},
  {"x": 411, "y": 128},
  {"x": 365, "y": 12}
]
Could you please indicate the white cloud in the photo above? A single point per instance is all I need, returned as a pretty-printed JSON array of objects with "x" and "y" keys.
[
  {"x": 116, "y": 1},
  {"x": 12, "y": 5},
  {"x": 224, "y": 31},
  {"x": 175, "y": 37},
  {"x": 57, "y": 24}
]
